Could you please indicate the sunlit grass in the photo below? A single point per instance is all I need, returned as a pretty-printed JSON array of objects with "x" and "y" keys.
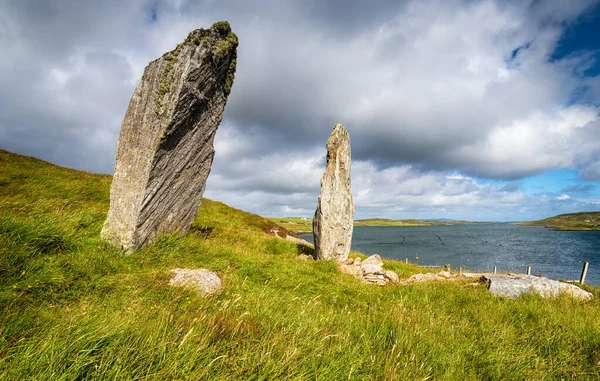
[{"x": 74, "y": 307}]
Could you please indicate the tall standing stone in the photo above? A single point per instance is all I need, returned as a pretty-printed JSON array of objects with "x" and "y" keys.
[
  {"x": 333, "y": 221},
  {"x": 165, "y": 149}
]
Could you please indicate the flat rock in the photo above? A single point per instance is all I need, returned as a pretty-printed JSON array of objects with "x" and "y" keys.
[
  {"x": 514, "y": 285},
  {"x": 333, "y": 220},
  {"x": 349, "y": 269},
  {"x": 392, "y": 276},
  {"x": 368, "y": 268},
  {"x": 374, "y": 259},
  {"x": 204, "y": 281},
  {"x": 445, "y": 274},
  {"x": 304, "y": 257},
  {"x": 428, "y": 277},
  {"x": 165, "y": 148}
]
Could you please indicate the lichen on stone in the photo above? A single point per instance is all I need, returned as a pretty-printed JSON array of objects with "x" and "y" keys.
[
  {"x": 166, "y": 77},
  {"x": 225, "y": 47}
]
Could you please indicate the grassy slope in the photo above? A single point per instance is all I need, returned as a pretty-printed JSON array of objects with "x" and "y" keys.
[
  {"x": 571, "y": 221},
  {"x": 76, "y": 308}
]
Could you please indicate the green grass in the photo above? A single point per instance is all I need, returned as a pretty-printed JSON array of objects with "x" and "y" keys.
[
  {"x": 75, "y": 308},
  {"x": 294, "y": 224},
  {"x": 388, "y": 222},
  {"x": 571, "y": 221}
]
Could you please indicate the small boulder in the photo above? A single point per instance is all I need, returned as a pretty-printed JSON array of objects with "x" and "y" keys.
[
  {"x": 304, "y": 257},
  {"x": 374, "y": 259},
  {"x": 445, "y": 274},
  {"x": 204, "y": 281},
  {"x": 368, "y": 268},
  {"x": 392, "y": 276},
  {"x": 349, "y": 269}
]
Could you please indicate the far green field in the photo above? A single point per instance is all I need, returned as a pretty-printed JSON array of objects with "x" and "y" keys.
[
  {"x": 295, "y": 224},
  {"x": 388, "y": 222},
  {"x": 304, "y": 225},
  {"x": 571, "y": 221}
]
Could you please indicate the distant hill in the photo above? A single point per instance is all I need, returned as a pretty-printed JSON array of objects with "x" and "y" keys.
[
  {"x": 389, "y": 222},
  {"x": 571, "y": 221},
  {"x": 304, "y": 225}
]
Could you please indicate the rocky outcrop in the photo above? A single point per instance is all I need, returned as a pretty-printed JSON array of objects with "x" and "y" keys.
[
  {"x": 333, "y": 221},
  {"x": 514, "y": 285},
  {"x": 369, "y": 271},
  {"x": 204, "y": 281},
  {"x": 165, "y": 149}
]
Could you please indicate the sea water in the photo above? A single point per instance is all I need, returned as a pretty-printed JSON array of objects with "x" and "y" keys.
[{"x": 481, "y": 247}]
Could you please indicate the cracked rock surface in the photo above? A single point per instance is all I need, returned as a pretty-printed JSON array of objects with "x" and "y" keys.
[{"x": 165, "y": 148}]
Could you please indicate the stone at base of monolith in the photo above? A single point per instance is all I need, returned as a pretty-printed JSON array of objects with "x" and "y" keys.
[
  {"x": 165, "y": 149},
  {"x": 369, "y": 271},
  {"x": 333, "y": 220}
]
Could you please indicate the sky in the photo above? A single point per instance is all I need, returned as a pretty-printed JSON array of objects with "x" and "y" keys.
[{"x": 477, "y": 110}]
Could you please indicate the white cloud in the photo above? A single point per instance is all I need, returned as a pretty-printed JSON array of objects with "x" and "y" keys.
[{"x": 436, "y": 95}]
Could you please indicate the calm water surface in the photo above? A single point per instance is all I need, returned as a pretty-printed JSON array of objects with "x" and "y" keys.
[{"x": 555, "y": 254}]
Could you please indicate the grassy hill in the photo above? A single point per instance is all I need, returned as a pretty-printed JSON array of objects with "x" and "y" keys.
[
  {"x": 75, "y": 308},
  {"x": 571, "y": 221}
]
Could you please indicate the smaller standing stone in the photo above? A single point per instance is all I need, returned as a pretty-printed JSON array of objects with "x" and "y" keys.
[
  {"x": 204, "y": 281},
  {"x": 333, "y": 221}
]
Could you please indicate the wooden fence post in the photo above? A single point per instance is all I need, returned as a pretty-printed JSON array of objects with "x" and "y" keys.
[
  {"x": 528, "y": 270},
  {"x": 584, "y": 272}
]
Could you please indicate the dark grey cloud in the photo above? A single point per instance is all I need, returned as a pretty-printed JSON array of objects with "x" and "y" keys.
[{"x": 425, "y": 88}]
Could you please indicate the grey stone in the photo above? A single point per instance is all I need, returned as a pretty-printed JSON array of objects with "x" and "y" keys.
[
  {"x": 204, "y": 281},
  {"x": 333, "y": 221},
  {"x": 392, "y": 276},
  {"x": 368, "y": 268},
  {"x": 514, "y": 285},
  {"x": 165, "y": 149},
  {"x": 445, "y": 274},
  {"x": 350, "y": 269},
  {"x": 420, "y": 278},
  {"x": 374, "y": 259}
]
